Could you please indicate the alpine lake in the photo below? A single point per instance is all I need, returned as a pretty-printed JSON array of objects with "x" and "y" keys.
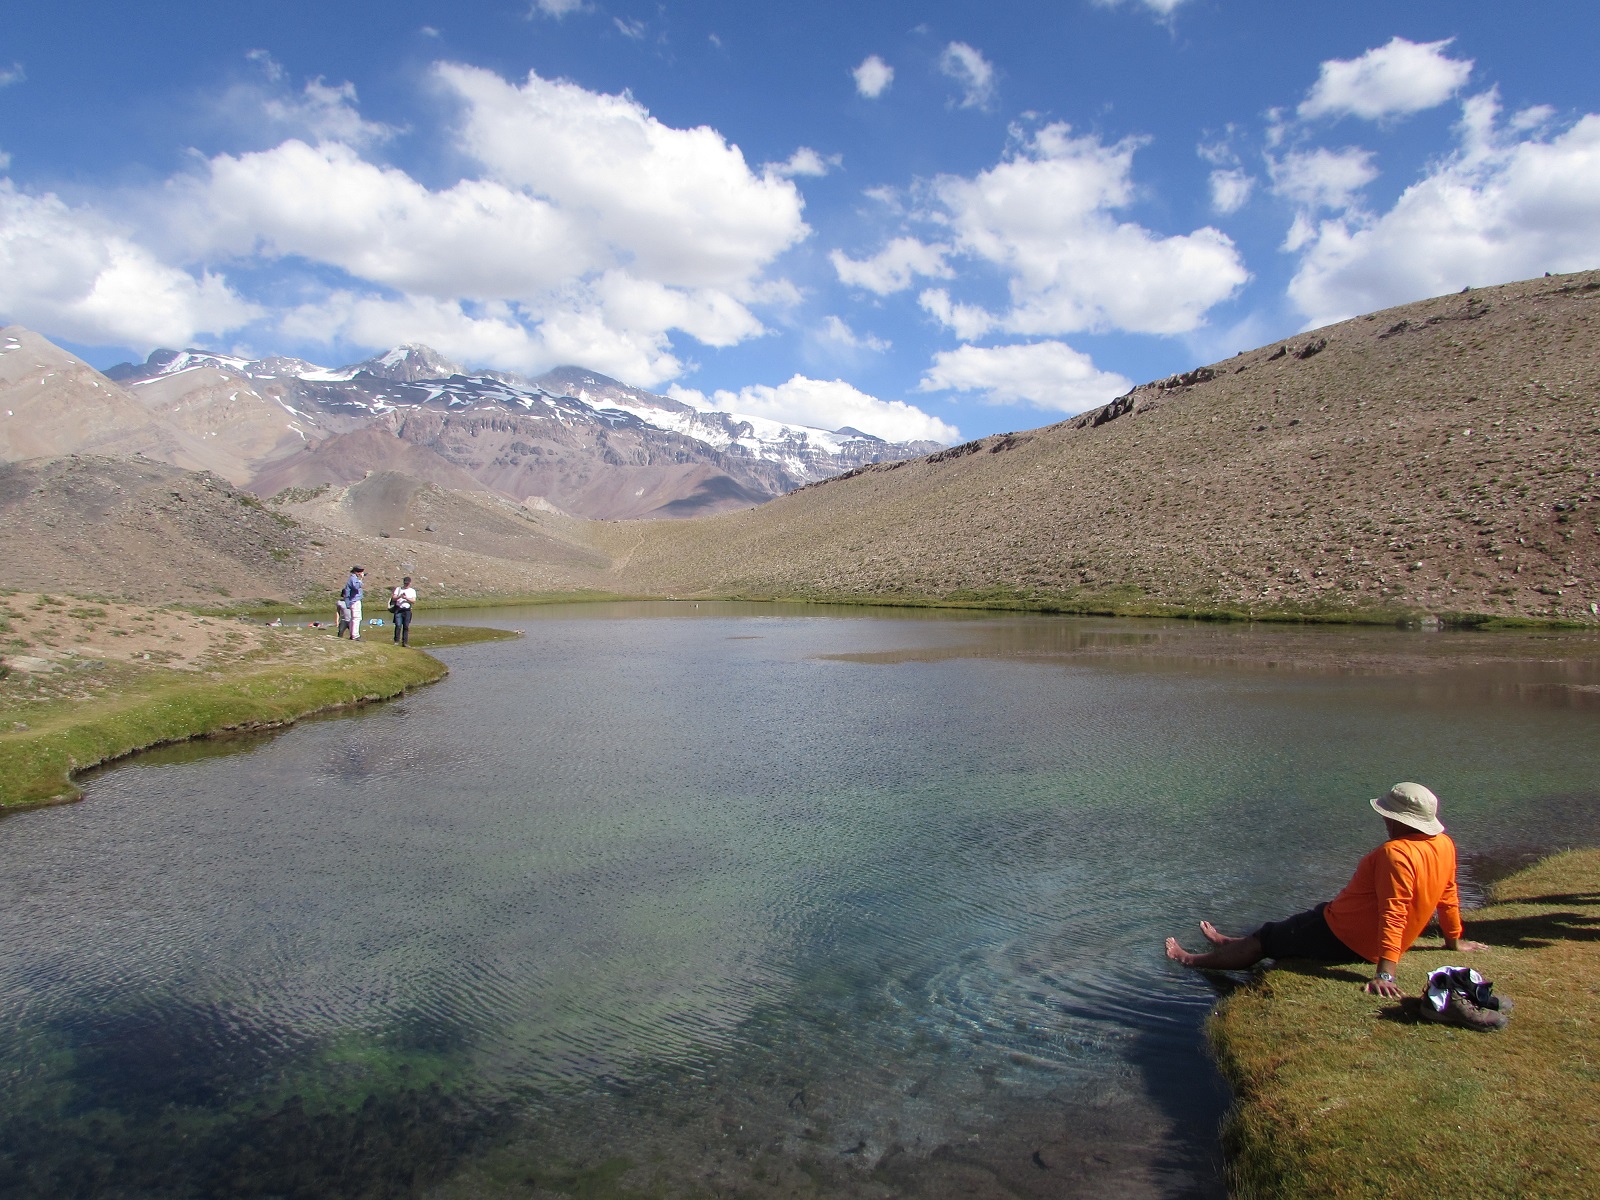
[{"x": 666, "y": 899}]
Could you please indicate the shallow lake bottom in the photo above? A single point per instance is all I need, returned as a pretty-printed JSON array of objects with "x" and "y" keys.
[{"x": 680, "y": 900}]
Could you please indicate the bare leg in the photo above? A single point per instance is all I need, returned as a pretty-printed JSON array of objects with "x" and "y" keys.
[
  {"x": 1231, "y": 955},
  {"x": 1215, "y": 936}
]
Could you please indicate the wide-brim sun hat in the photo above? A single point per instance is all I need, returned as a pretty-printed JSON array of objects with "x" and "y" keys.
[{"x": 1411, "y": 804}]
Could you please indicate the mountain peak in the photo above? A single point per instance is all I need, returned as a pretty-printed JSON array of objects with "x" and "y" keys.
[
  {"x": 592, "y": 387},
  {"x": 411, "y": 362}
]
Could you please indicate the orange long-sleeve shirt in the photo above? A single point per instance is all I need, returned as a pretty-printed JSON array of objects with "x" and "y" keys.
[{"x": 1393, "y": 892}]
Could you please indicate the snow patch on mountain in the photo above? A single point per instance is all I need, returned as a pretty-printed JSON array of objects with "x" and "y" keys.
[{"x": 416, "y": 376}]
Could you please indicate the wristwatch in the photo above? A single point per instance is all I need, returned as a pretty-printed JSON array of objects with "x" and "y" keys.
[{"x": 1384, "y": 977}]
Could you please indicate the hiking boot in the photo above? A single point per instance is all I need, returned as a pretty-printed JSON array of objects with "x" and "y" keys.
[
  {"x": 1501, "y": 1004},
  {"x": 1458, "y": 1010}
]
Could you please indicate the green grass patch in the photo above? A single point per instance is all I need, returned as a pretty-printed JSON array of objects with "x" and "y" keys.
[
  {"x": 1111, "y": 602},
  {"x": 378, "y": 598},
  {"x": 1132, "y": 602},
  {"x": 160, "y": 706},
  {"x": 1342, "y": 1094},
  {"x": 1490, "y": 622}
]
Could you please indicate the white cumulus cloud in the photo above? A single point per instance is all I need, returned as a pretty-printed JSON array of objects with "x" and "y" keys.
[
  {"x": 318, "y": 111},
  {"x": 835, "y": 329},
  {"x": 873, "y": 77},
  {"x": 72, "y": 273},
  {"x": 589, "y": 232},
  {"x": 894, "y": 267},
  {"x": 328, "y": 111},
  {"x": 493, "y": 337},
  {"x": 555, "y": 8},
  {"x": 12, "y": 74},
  {"x": 826, "y": 404},
  {"x": 1230, "y": 183},
  {"x": 1391, "y": 80},
  {"x": 478, "y": 239},
  {"x": 1230, "y": 189},
  {"x": 805, "y": 161},
  {"x": 1502, "y": 207},
  {"x": 709, "y": 315},
  {"x": 512, "y": 337},
  {"x": 1163, "y": 8},
  {"x": 602, "y": 228},
  {"x": 967, "y": 321},
  {"x": 972, "y": 71},
  {"x": 1323, "y": 178},
  {"x": 1048, "y": 375},
  {"x": 681, "y": 204},
  {"x": 1045, "y": 216}
]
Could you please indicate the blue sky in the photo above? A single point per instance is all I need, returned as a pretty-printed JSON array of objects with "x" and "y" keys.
[{"x": 924, "y": 220}]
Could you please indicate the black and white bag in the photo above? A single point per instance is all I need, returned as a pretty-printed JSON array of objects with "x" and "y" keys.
[{"x": 1478, "y": 990}]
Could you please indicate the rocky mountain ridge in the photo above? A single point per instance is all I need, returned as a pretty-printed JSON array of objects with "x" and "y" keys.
[
  {"x": 574, "y": 438},
  {"x": 1437, "y": 461}
]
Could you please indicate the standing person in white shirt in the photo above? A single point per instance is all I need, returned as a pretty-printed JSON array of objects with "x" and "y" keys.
[
  {"x": 400, "y": 603},
  {"x": 351, "y": 596}
]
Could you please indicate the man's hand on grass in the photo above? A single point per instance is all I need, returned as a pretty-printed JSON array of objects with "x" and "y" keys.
[
  {"x": 1463, "y": 945},
  {"x": 1383, "y": 987}
]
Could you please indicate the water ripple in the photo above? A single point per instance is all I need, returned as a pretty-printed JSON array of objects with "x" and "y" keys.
[{"x": 624, "y": 879}]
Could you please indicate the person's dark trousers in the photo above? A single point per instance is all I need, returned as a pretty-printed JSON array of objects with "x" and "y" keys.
[{"x": 402, "y": 626}]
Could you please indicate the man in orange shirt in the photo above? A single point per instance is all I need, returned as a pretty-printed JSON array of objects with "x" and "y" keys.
[{"x": 1388, "y": 902}]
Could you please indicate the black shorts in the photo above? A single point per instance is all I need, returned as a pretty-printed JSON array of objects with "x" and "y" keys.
[{"x": 1305, "y": 935}]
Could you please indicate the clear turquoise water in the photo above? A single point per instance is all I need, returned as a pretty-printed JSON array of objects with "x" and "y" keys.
[{"x": 665, "y": 899}]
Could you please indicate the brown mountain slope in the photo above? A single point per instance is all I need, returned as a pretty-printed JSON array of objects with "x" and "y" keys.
[
  {"x": 422, "y": 518},
  {"x": 349, "y": 457},
  {"x": 229, "y": 416},
  {"x": 143, "y": 530},
  {"x": 55, "y": 403},
  {"x": 599, "y": 471},
  {"x": 1441, "y": 457}
]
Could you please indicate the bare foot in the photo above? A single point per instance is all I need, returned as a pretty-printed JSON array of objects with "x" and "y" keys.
[
  {"x": 1177, "y": 953},
  {"x": 1213, "y": 936}
]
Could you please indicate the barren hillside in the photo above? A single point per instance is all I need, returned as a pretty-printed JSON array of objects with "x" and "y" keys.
[
  {"x": 55, "y": 404},
  {"x": 141, "y": 530},
  {"x": 148, "y": 531},
  {"x": 1441, "y": 457}
]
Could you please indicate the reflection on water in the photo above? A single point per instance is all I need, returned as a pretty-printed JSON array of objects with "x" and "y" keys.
[{"x": 698, "y": 899}]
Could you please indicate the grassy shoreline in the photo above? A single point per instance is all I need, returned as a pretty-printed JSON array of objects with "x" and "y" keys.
[
  {"x": 264, "y": 608},
  {"x": 1103, "y": 606},
  {"x": 996, "y": 600},
  {"x": 155, "y": 707},
  {"x": 1341, "y": 1094}
]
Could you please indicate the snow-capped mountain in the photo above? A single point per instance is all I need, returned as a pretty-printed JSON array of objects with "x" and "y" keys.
[{"x": 586, "y": 443}]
